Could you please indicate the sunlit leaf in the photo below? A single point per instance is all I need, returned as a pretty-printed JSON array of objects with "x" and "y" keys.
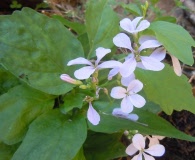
[
  {"x": 102, "y": 24},
  {"x": 167, "y": 89},
  {"x": 38, "y": 48}
]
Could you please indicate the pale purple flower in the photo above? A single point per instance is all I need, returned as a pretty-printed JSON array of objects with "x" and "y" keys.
[
  {"x": 134, "y": 26},
  {"x": 138, "y": 144},
  {"x": 129, "y": 96},
  {"x": 117, "y": 112},
  {"x": 67, "y": 78},
  {"x": 87, "y": 71},
  {"x": 92, "y": 115},
  {"x": 160, "y": 55},
  {"x": 151, "y": 62}
]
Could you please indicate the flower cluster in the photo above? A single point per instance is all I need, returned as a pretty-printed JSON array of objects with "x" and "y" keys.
[
  {"x": 137, "y": 47},
  {"x": 144, "y": 52}
]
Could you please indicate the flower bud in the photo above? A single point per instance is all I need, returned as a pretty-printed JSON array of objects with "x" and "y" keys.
[{"x": 67, "y": 78}]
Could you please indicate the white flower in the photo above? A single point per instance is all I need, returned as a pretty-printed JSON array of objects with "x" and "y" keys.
[
  {"x": 151, "y": 62},
  {"x": 92, "y": 115},
  {"x": 87, "y": 71},
  {"x": 129, "y": 96},
  {"x": 117, "y": 112},
  {"x": 160, "y": 55},
  {"x": 138, "y": 144},
  {"x": 135, "y": 25}
]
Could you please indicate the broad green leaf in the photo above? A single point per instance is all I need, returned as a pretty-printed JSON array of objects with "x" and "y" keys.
[
  {"x": 102, "y": 24},
  {"x": 7, "y": 80},
  {"x": 75, "y": 26},
  {"x": 72, "y": 100},
  {"x": 167, "y": 19},
  {"x": 168, "y": 90},
  {"x": 38, "y": 50},
  {"x": 99, "y": 146},
  {"x": 83, "y": 38},
  {"x": 53, "y": 136},
  {"x": 148, "y": 123},
  {"x": 132, "y": 8},
  {"x": 7, "y": 151},
  {"x": 18, "y": 108},
  {"x": 175, "y": 39}
]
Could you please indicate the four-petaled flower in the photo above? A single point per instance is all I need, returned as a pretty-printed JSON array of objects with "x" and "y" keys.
[
  {"x": 87, "y": 71},
  {"x": 151, "y": 62},
  {"x": 92, "y": 115},
  {"x": 129, "y": 96},
  {"x": 134, "y": 26},
  {"x": 138, "y": 144}
]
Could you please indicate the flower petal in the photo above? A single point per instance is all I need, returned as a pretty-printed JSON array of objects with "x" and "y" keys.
[
  {"x": 142, "y": 25},
  {"x": 113, "y": 72},
  {"x": 151, "y": 63},
  {"x": 137, "y": 157},
  {"x": 135, "y": 22},
  {"x": 131, "y": 150},
  {"x": 126, "y": 105},
  {"x": 138, "y": 141},
  {"x": 84, "y": 72},
  {"x": 123, "y": 41},
  {"x": 133, "y": 117},
  {"x": 92, "y": 115},
  {"x": 127, "y": 25},
  {"x": 137, "y": 100},
  {"x": 135, "y": 86},
  {"x": 100, "y": 53},
  {"x": 148, "y": 157},
  {"x": 110, "y": 64},
  {"x": 128, "y": 67},
  {"x": 79, "y": 60},
  {"x": 117, "y": 112},
  {"x": 126, "y": 80},
  {"x": 144, "y": 38},
  {"x": 176, "y": 65},
  {"x": 158, "y": 54},
  {"x": 156, "y": 150},
  {"x": 118, "y": 92},
  {"x": 67, "y": 78},
  {"x": 149, "y": 44}
]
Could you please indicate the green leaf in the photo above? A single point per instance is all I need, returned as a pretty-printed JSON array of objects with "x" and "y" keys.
[
  {"x": 167, "y": 19},
  {"x": 39, "y": 49},
  {"x": 168, "y": 90},
  {"x": 7, "y": 80},
  {"x": 75, "y": 26},
  {"x": 18, "y": 108},
  {"x": 101, "y": 25},
  {"x": 99, "y": 146},
  {"x": 132, "y": 8},
  {"x": 175, "y": 39},
  {"x": 72, "y": 100},
  {"x": 7, "y": 151},
  {"x": 148, "y": 123},
  {"x": 53, "y": 136}
]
